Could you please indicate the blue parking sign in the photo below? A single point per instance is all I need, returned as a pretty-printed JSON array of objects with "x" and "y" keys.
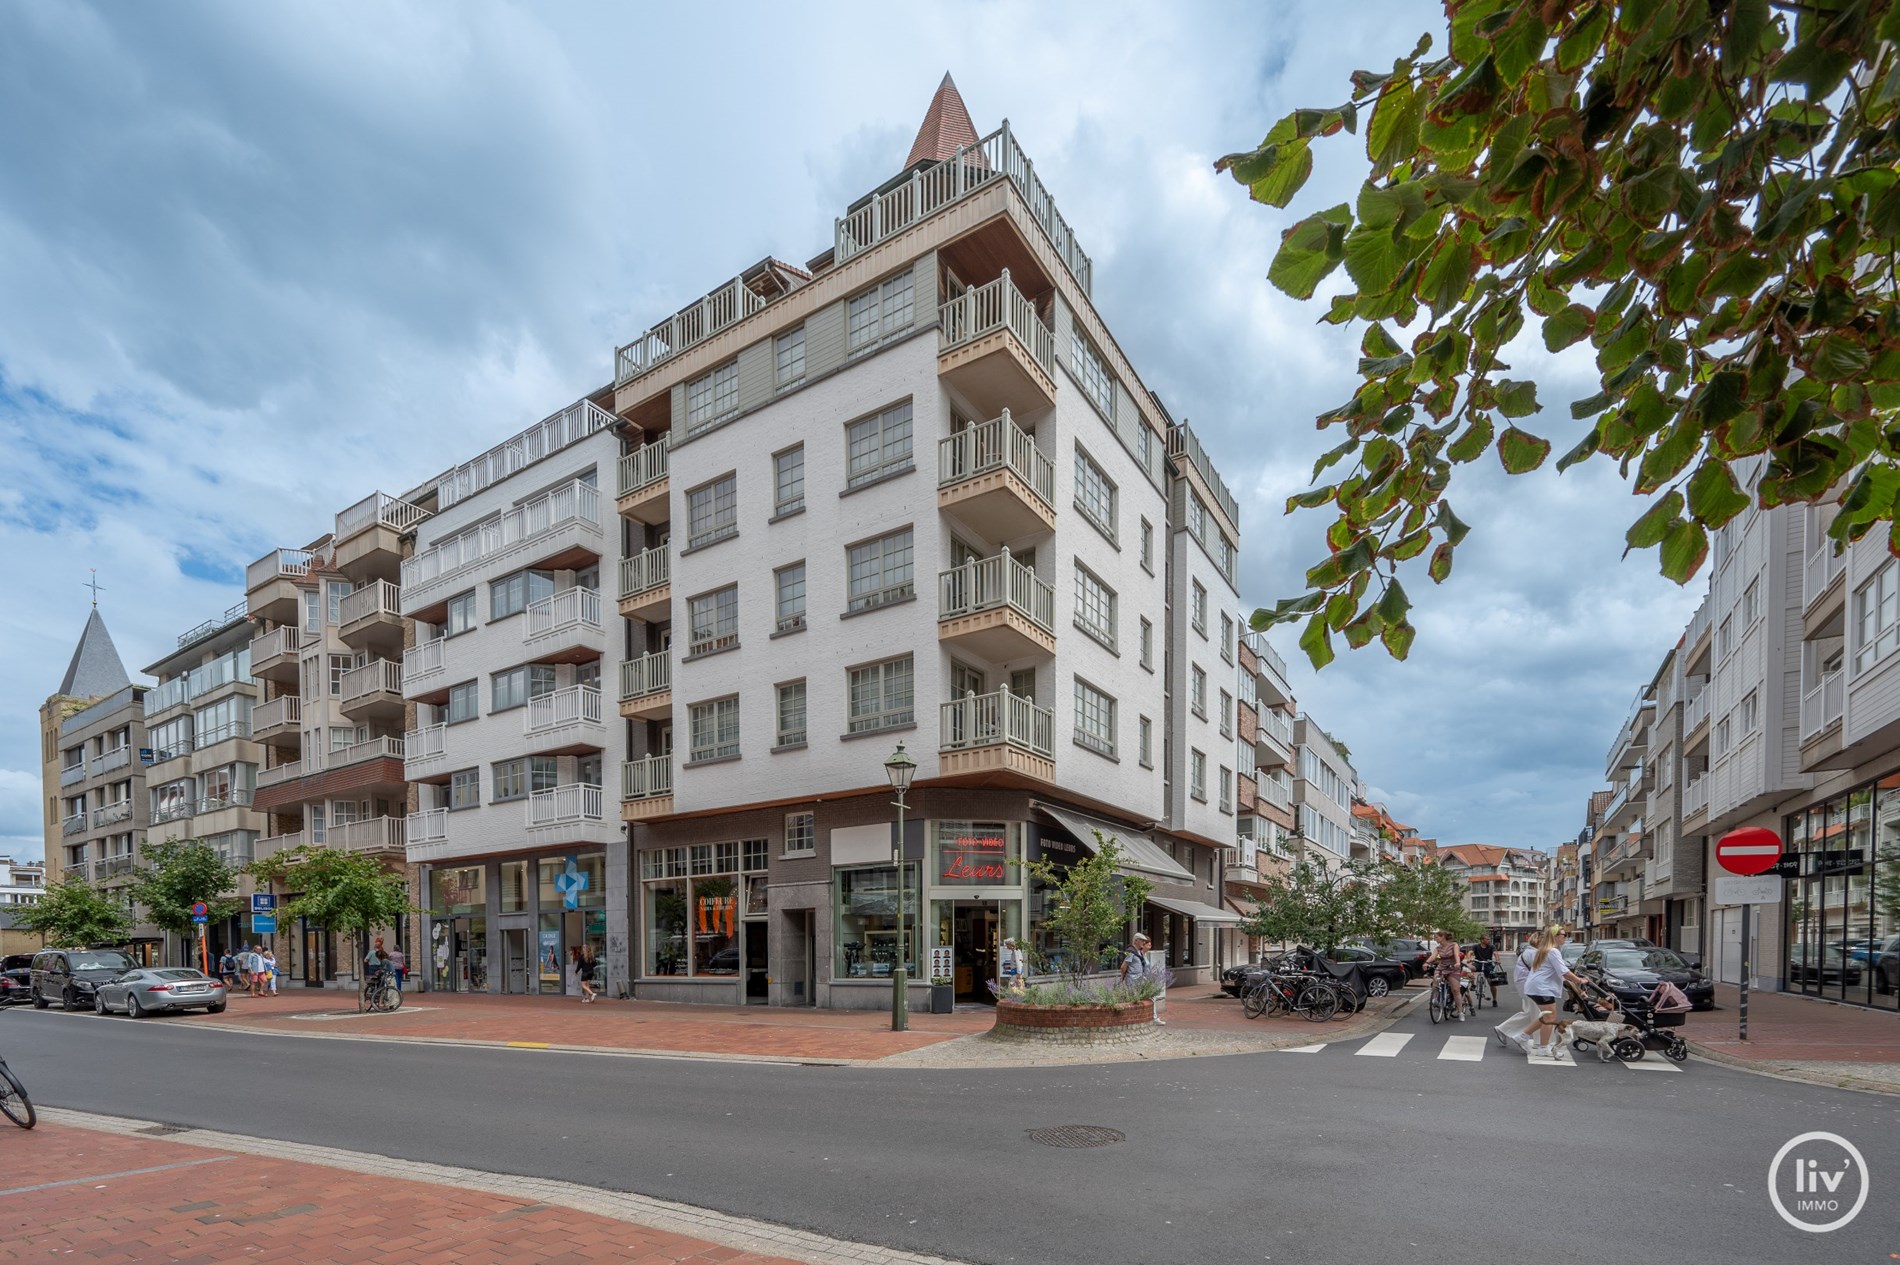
[{"x": 263, "y": 903}]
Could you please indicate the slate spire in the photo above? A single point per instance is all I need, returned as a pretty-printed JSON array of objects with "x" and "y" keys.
[{"x": 96, "y": 669}]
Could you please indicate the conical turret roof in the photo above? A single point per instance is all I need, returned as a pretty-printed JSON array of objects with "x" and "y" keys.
[
  {"x": 96, "y": 669},
  {"x": 946, "y": 126}
]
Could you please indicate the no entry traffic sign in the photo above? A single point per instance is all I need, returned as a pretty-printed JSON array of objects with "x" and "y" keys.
[{"x": 1750, "y": 850}]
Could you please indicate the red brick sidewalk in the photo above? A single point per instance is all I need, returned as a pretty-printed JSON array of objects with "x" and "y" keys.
[
  {"x": 73, "y": 1192},
  {"x": 1786, "y": 1027}
]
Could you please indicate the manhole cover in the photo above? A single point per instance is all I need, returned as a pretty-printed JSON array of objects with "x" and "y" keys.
[{"x": 1077, "y": 1136}]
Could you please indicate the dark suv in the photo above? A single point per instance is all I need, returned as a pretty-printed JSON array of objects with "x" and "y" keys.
[{"x": 68, "y": 976}]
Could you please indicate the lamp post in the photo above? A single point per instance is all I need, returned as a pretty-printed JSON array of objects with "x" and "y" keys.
[{"x": 901, "y": 769}]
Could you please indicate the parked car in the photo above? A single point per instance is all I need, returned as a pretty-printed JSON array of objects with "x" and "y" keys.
[
  {"x": 1631, "y": 973},
  {"x": 1887, "y": 965},
  {"x": 1625, "y": 942},
  {"x": 1409, "y": 952},
  {"x": 1827, "y": 965},
  {"x": 1382, "y": 974},
  {"x": 69, "y": 976},
  {"x": 16, "y": 985},
  {"x": 150, "y": 989}
]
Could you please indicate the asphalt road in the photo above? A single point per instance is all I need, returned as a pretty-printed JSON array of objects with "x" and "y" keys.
[{"x": 1322, "y": 1157}]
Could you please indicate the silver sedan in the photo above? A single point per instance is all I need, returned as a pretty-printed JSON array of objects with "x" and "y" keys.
[{"x": 151, "y": 989}]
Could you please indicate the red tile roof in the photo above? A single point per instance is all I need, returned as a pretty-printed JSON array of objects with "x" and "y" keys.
[{"x": 946, "y": 126}]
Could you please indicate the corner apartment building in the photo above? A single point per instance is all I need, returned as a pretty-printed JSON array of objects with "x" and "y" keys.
[
  {"x": 913, "y": 492},
  {"x": 325, "y": 645},
  {"x": 1323, "y": 782},
  {"x": 1504, "y": 888}
]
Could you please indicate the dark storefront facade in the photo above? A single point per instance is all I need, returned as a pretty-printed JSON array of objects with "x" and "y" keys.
[{"x": 1841, "y": 896}]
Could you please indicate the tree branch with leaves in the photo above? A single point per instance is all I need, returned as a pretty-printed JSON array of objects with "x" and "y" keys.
[{"x": 74, "y": 914}]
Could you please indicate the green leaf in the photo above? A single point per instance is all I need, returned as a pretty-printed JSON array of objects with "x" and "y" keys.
[
  {"x": 1392, "y": 134},
  {"x": 1285, "y": 176},
  {"x": 1521, "y": 451},
  {"x": 1393, "y": 604},
  {"x": 1838, "y": 357},
  {"x": 1374, "y": 257},
  {"x": 1376, "y": 343},
  {"x": 1585, "y": 39},
  {"x": 1311, "y": 500},
  {"x": 1740, "y": 274},
  {"x": 1569, "y": 326},
  {"x": 1747, "y": 22},
  {"x": 1454, "y": 528},
  {"x": 1447, "y": 277},
  {"x": 1472, "y": 443},
  {"x": 1657, "y": 522},
  {"x": 1398, "y": 639},
  {"x": 1439, "y": 569},
  {"x": 1586, "y": 448},
  {"x": 1515, "y": 398},
  {"x": 1666, "y": 459},
  {"x": 1305, "y": 257},
  {"x": 1683, "y": 550},
  {"x": 1317, "y": 641},
  {"x": 1714, "y": 497},
  {"x": 1520, "y": 44}
]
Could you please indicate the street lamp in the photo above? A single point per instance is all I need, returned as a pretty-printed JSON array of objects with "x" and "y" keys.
[{"x": 900, "y": 768}]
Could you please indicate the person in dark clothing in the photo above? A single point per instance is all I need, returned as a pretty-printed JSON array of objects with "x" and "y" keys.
[{"x": 1486, "y": 954}]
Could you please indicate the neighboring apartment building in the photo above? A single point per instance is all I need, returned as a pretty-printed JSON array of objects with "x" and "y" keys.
[
  {"x": 203, "y": 769},
  {"x": 1263, "y": 743},
  {"x": 921, "y": 497},
  {"x": 1323, "y": 781},
  {"x": 1504, "y": 888},
  {"x": 21, "y": 882}
]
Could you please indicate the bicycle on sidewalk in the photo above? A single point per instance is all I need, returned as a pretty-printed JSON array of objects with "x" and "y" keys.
[
  {"x": 380, "y": 994},
  {"x": 13, "y": 1100}
]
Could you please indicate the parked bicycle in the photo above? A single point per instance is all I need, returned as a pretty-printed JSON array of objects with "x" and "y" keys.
[
  {"x": 1294, "y": 991},
  {"x": 380, "y": 994},
  {"x": 13, "y": 1100}
]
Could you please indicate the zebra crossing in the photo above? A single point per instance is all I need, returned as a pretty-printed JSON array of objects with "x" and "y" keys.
[{"x": 1470, "y": 1049}]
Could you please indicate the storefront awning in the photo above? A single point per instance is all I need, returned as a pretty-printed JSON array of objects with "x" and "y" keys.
[
  {"x": 1140, "y": 853},
  {"x": 1209, "y": 914}
]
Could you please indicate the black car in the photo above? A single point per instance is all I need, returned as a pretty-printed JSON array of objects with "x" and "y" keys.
[
  {"x": 16, "y": 985},
  {"x": 1382, "y": 974},
  {"x": 69, "y": 976},
  {"x": 1631, "y": 973},
  {"x": 1408, "y": 952}
]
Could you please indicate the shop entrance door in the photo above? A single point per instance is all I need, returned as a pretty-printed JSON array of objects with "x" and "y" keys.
[
  {"x": 514, "y": 952},
  {"x": 755, "y": 970},
  {"x": 976, "y": 932},
  {"x": 315, "y": 959}
]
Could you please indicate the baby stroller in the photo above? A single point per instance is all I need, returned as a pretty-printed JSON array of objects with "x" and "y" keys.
[{"x": 1665, "y": 1007}]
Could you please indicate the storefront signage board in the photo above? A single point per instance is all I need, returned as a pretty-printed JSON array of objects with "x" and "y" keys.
[
  {"x": 974, "y": 858},
  {"x": 263, "y": 924}
]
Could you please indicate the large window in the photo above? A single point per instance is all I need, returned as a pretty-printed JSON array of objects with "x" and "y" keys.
[
  {"x": 693, "y": 904},
  {"x": 1094, "y": 606},
  {"x": 788, "y": 481},
  {"x": 789, "y": 352},
  {"x": 1226, "y": 714},
  {"x": 975, "y": 854},
  {"x": 1094, "y": 494},
  {"x": 461, "y": 615},
  {"x": 712, "y": 398},
  {"x": 715, "y": 727},
  {"x": 1841, "y": 905},
  {"x": 790, "y": 585},
  {"x": 713, "y": 621},
  {"x": 1227, "y": 637},
  {"x": 712, "y": 512},
  {"x": 518, "y": 779},
  {"x": 881, "y": 570},
  {"x": 226, "y": 718},
  {"x": 878, "y": 445},
  {"x": 791, "y": 714},
  {"x": 516, "y": 686},
  {"x": 465, "y": 788},
  {"x": 868, "y": 907},
  {"x": 1094, "y": 718},
  {"x": 1197, "y": 775},
  {"x": 880, "y": 313},
  {"x": 173, "y": 738},
  {"x": 1876, "y": 619},
  {"x": 1092, "y": 372},
  {"x": 464, "y": 702},
  {"x": 881, "y": 695},
  {"x": 514, "y": 593}
]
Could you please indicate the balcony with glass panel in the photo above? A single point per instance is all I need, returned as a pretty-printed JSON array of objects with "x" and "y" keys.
[
  {"x": 278, "y": 723},
  {"x": 565, "y": 627},
  {"x": 995, "y": 350},
  {"x": 558, "y": 530},
  {"x": 996, "y": 733},
  {"x": 643, "y": 486},
  {"x": 646, "y": 586},
  {"x": 646, "y": 687},
  {"x": 373, "y": 692},
  {"x": 372, "y": 619},
  {"x": 997, "y": 608},
  {"x": 274, "y": 655},
  {"x": 994, "y": 478},
  {"x": 646, "y": 788}
]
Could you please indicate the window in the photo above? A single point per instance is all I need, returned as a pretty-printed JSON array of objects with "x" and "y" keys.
[
  {"x": 715, "y": 729},
  {"x": 1199, "y": 607},
  {"x": 867, "y": 910},
  {"x": 1094, "y": 718},
  {"x": 1227, "y": 636},
  {"x": 1197, "y": 691},
  {"x": 1722, "y": 736},
  {"x": 1148, "y": 546},
  {"x": 343, "y": 737},
  {"x": 1876, "y": 619},
  {"x": 788, "y": 482},
  {"x": 801, "y": 834},
  {"x": 518, "y": 779},
  {"x": 881, "y": 695},
  {"x": 516, "y": 686},
  {"x": 1145, "y": 445},
  {"x": 878, "y": 446},
  {"x": 881, "y": 570},
  {"x": 1147, "y": 644},
  {"x": 464, "y": 702},
  {"x": 1147, "y": 743},
  {"x": 880, "y": 313},
  {"x": 1750, "y": 712},
  {"x": 334, "y": 592},
  {"x": 1226, "y": 789},
  {"x": 465, "y": 788},
  {"x": 1751, "y": 603},
  {"x": 712, "y": 398},
  {"x": 1094, "y": 494},
  {"x": 339, "y": 665},
  {"x": 790, "y": 584},
  {"x": 1226, "y": 714},
  {"x": 461, "y": 615},
  {"x": 513, "y": 594},
  {"x": 713, "y": 621},
  {"x": 791, "y": 714},
  {"x": 1197, "y": 518},
  {"x": 1197, "y": 775},
  {"x": 1724, "y": 638},
  {"x": 1092, "y": 371},
  {"x": 712, "y": 512},
  {"x": 1094, "y": 606},
  {"x": 1225, "y": 557},
  {"x": 789, "y": 350}
]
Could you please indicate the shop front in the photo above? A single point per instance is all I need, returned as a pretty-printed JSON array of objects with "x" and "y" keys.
[
  {"x": 1841, "y": 896},
  {"x": 703, "y": 909},
  {"x": 518, "y": 925}
]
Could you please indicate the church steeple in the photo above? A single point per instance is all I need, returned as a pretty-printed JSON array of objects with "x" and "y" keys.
[
  {"x": 946, "y": 126},
  {"x": 96, "y": 669}
]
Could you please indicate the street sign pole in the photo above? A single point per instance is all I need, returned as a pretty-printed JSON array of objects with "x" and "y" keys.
[
  {"x": 1750, "y": 851},
  {"x": 1746, "y": 910}
]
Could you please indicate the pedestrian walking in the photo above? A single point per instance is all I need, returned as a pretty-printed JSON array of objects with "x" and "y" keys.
[
  {"x": 255, "y": 961},
  {"x": 1544, "y": 981},
  {"x": 270, "y": 971},
  {"x": 588, "y": 971},
  {"x": 227, "y": 969},
  {"x": 573, "y": 968},
  {"x": 1137, "y": 967},
  {"x": 1512, "y": 1029},
  {"x": 399, "y": 963}
]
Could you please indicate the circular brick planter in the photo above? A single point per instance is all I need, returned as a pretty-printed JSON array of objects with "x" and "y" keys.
[{"x": 1073, "y": 1025}]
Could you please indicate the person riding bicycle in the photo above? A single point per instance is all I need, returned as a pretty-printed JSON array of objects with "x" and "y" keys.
[
  {"x": 1445, "y": 961},
  {"x": 1486, "y": 954}
]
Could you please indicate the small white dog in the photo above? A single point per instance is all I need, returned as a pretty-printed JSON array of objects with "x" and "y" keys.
[{"x": 1604, "y": 1032}]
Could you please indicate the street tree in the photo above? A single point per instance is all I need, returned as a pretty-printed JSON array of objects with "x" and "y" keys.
[
  {"x": 1421, "y": 898},
  {"x": 179, "y": 872},
  {"x": 73, "y": 914},
  {"x": 1090, "y": 904},
  {"x": 1706, "y": 192},
  {"x": 1311, "y": 905},
  {"x": 345, "y": 892}
]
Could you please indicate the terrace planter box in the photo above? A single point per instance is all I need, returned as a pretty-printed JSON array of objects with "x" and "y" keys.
[{"x": 1072, "y": 1025}]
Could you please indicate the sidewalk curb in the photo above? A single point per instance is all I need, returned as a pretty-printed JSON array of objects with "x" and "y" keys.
[{"x": 1792, "y": 1070}]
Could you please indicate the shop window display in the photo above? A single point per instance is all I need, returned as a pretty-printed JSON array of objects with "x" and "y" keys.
[
  {"x": 866, "y": 924},
  {"x": 1842, "y": 905},
  {"x": 692, "y": 903}
]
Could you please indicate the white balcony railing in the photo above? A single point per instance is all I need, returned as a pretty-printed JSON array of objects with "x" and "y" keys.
[
  {"x": 112, "y": 814},
  {"x": 1695, "y": 796},
  {"x": 1264, "y": 651},
  {"x": 999, "y": 717},
  {"x": 1277, "y": 724},
  {"x": 1275, "y": 791},
  {"x": 377, "y": 834},
  {"x": 644, "y": 571},
  {"x": 543, "y": 439},
  {"x": 281, "y": 642},
  {"x": 992, "y": 445},
  {"x": 577, "y": 801},
  {"x": 1696, "y": 711},
  {"x": 575, "y": 705},
  {"x": 644, "y": 466},
  {"x": 649, "y": 674},
  {"x": 424, "y": 660},
  {"x": 111, "y": 761},
  {"x": 986, "y": 309},
  {"x": 988, "y": 583},
  {"x": 646, "y": 778},
  {"x": 378, "y": 676},
  {"x": 378, "y": 597},
  {"x": 270, "y": 845},
  {"x": 1822, "y": 704},
  {"x": 562, "y": 612},
  {"x": 378, "y": 509},
  {"x": 429, "y": 826},
  {"x": 287, "y": 772},
  {"x": 571, "y": 502},
  {"x": 1822, "y": 567},
  {"x": 729, "y": 304},
  {"x": 201, "y": 631},
  {"x": 278, "y": 564},
  {"x": 428, "y": 743}
]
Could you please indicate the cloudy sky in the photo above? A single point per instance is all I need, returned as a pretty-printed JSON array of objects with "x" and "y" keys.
[{"x": 242, "y": 246}]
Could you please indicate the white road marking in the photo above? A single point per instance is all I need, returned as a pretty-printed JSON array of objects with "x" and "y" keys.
[
  {"x": 1464, "y": 1049},
  {"x": 1303, "y": 1049},
  {"x": 1384, "y": 1046},
  {"x": 1563, "y": 1059},
  {"x": 1649, "y": 1064}
]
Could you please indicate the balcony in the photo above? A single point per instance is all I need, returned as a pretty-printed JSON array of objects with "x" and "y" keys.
[
  {"x": 111, "y": 761},
  {"x": 994, "y": 477},
  {"x": 72, "y": 774},
  {"x": 691, "y": 325},
  {"x": 367, "y": 542},
  {"x": 1822, "y": 706},
  {"x": 565, "y": 628},
  {"x": 218, "y": 804},
  {"x": 565, "y": 722},
  {"x": 75, "y": 824},
  {"x": 112, "y": 814},
  {"x": 425, "y": 751},
  {"x": 646, "y": 586},
  {"x": 996, "y": 733},
  {"x": 998, "y": 608},
  {"x": 424, "y": 672},
  {"x": 275, "y": 583},
  {"x": 115, "y": 866},
  {"x": 573, "y": 812},
  {"x": 373, "y": 692},
  {"x": 995, "y": 350},
  {"x": 1695, "y": 715},
  {"x": 372, "y": 619},
  {"x": 271, "y": 845},
  {"x": 646, "y": 788},
  {"x": 1276, "y": 792},
  {"x": 1823, "y": 588},
  {"x": 274, "y": 655},
  {"x": 163, "y": 697},
  {"x": 278, "y": 723},
  {"x": 372, "y": 766},
  {"x": 376, "y": 835},
  {"x": 646, "y": 687},
  {"x": 426, "y": 833},
  {"x": 1273, "y": 739},
  {"x": 560, "y": 528},
  {"x": 643, "y": 486},
  {"x": 173, "y": 810}
]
